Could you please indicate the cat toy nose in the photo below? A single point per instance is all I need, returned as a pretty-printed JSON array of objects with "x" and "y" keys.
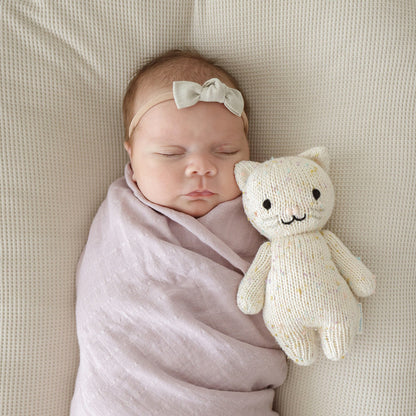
[{"x": 293, "y": 211}]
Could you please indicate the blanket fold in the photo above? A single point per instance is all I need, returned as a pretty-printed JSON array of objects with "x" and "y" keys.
[{"x": 158, "y": 326}]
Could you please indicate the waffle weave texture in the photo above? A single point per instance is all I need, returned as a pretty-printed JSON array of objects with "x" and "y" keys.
[{"x": 335, "y": 73}]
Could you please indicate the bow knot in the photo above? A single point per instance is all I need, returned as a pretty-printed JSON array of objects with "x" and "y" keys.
[{"x": 187, "y": 94}]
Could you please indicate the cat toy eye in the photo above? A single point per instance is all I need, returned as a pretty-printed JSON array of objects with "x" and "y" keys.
[
  {"x": 267, "y": 204},
  {"x": 316, "y": 194}
]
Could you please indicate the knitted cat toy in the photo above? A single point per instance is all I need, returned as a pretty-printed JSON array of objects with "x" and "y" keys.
[{"x": 302, "y": 276}]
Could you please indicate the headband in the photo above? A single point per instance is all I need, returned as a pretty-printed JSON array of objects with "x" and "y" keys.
[{"x": 187, "y": 93}]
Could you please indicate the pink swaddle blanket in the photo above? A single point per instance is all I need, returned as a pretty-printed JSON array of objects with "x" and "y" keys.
[{"x": 159, "y": 329}]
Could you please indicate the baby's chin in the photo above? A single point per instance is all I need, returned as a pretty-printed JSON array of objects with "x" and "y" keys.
[{"x": 198, "y": 207}]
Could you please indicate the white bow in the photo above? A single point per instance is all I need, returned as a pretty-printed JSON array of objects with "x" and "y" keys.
[{"x": 187, "y": 94}]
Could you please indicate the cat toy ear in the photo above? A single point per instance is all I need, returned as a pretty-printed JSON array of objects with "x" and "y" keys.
[
  {"x": 242, "y": 171},
  {"x": 319, "y": 155}
]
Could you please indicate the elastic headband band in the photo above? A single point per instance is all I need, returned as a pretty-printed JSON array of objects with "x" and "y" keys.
[
  {"x": 155, "y": 100},
  {"x": 186, "y": 94}
]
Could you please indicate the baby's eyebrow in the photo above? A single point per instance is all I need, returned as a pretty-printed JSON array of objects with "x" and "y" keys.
[
  {"x": 230, "y": 141},
  {"x": 226, "y": 145},
  {"x": 170, "y": 146}
]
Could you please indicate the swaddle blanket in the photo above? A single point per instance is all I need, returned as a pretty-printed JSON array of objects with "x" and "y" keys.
[{"x": 158, "y": 326}]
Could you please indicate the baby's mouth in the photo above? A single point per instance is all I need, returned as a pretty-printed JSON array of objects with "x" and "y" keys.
[
  {"x": 294, "y": 218},
  {"x": 200, "y": 193}
]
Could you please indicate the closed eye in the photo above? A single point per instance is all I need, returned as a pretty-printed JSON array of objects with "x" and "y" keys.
[
  {"x": 228, "y": 153},
  {"x": 226, "y": 149},
  {"x": 170, "y": 151}
]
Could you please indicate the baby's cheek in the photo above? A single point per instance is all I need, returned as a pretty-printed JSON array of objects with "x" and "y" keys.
[
  {"x": 229, "y": 178},
  {"x": 154, "y": 186}
]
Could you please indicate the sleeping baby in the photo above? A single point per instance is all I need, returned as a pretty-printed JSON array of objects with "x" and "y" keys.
[{"x": 159, "y": 329}]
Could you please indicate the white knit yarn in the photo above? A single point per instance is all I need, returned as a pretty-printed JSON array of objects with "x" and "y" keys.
[{"x": 303, "y": 276}]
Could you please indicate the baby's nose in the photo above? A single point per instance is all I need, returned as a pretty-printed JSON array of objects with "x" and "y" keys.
[
  {"x": 293, "y": 211},
  {"x": 200, "y": 166}
]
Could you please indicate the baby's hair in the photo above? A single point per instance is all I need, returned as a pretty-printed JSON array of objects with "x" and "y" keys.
[{"x": 162, "y": 71}]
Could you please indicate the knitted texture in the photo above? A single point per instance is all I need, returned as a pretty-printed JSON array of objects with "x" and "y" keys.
[{"x": 303, "y": 276}]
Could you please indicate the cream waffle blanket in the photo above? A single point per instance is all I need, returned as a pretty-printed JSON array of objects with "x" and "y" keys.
[{"x": 158, "y": 326}]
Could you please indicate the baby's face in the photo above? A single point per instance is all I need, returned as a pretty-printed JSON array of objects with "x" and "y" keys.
[{"x": 184, "y": 159}]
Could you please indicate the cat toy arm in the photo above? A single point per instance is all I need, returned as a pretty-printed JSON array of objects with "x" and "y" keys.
[
  {"x": 361, "y": 281},
  {"x": 250, "y": 296}
]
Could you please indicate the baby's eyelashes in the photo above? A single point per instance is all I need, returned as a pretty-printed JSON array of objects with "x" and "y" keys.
[
  {"x": 179, "y": 155},
  {"x": 228, "y": 153},
  {"x": 170, "y": 155},
  {"x": 226, "y": 150},
  {"x": 170, "y": 151},
  {"x": 183, "y": 152}
]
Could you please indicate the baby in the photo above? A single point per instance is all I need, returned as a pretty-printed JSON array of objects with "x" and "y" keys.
[{"x": 159, "y": 329}]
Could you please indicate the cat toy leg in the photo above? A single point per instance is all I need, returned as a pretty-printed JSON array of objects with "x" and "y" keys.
[
  {"x": 297, "y": 341},
  {"x": 299, "y": 345},
  {"x": 337, "y": 339}
]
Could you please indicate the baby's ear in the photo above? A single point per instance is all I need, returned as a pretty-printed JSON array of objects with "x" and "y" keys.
[
  {"x": 127, "y": 146},
  {"x": 242, "y": 171},
  {"x": 319, "y": 155}
]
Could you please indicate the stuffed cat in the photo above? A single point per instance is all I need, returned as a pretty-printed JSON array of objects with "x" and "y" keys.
[{"x": 304, "y": 276}]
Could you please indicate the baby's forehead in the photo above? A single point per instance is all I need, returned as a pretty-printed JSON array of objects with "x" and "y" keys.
[{"x": 144, "y": 91}]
